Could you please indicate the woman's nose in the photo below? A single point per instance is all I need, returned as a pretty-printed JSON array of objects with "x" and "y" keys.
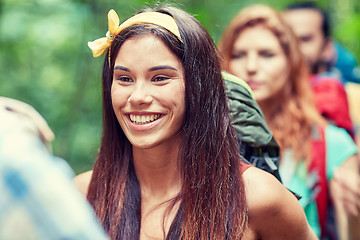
[
  {"x": 251, "y": 64},
  {"x": 140, "y": 95}
]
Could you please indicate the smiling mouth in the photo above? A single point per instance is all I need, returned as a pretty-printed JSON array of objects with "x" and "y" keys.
[{"x": 144, "y": 119}]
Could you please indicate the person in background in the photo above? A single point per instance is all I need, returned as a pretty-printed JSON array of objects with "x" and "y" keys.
[
  {"x": 311, "y": 25},
  {"x": 38, "y": 198},
  {"x": 169, "y": 165},
  {"x": 310, "y": 163},
  {"x": 331, "y": 64}
]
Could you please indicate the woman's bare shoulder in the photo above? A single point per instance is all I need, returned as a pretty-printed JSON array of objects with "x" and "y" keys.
[
  {"x": 82, "y": 181},
  {"x": 274, "y": 212},
  {"x": 260, "y": 185}
]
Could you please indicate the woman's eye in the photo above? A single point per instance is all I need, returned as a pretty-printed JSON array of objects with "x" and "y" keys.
[
  {"x": 267, "y": 54},
  {"x": 124, "y": 79},
  {"x": 160, "y": 78},
  {"x": 238, "y": 55}
]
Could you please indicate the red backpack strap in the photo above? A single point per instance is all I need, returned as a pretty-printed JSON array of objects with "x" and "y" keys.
[
  {"x": 318, "y": 164},
  {"x": 332, "y": 101}
]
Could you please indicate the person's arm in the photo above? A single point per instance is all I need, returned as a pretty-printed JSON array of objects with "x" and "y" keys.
[
  {"x": 82, "y": 182},
  {"x": 345, "y": 194},
  {"x": 354, "y": 223},
  {"x": 274, "y": 212}
]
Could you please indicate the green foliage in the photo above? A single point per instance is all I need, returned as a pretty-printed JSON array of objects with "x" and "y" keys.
[
  {"x": 349, "y": 32},
  {"x": 45, "y": 61}
]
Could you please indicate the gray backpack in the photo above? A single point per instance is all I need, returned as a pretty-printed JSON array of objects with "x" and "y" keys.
[{"x": 257, "y": 144}]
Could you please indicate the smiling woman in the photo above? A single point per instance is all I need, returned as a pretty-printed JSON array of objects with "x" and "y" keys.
[
  {"x": 168, "y": 165},
  {"x": 148, "y": 96}
]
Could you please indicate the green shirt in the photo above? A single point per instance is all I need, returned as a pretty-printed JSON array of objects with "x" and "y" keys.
[{"x": 339, "y": 147}]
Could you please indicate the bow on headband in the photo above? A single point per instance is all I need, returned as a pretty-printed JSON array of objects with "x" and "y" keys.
[{"x": 164, "y": 20}]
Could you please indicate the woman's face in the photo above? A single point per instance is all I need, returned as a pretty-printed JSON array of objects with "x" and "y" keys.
[
  {"x": 148, "y": 91},
  {"x": 258, "y": 59}
]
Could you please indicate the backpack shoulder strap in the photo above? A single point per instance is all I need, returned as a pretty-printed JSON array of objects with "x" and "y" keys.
[{"x": 318, "y": 165}]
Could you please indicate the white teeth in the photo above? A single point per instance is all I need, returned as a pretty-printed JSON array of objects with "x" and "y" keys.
[
  {"x": 142, "y": 119},
  {"x": 132, "y": 117}
]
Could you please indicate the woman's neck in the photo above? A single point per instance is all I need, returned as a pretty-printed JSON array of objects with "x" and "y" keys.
[
  {"x": 269, "y": 107},
  {"x": 158, "y": 172}
]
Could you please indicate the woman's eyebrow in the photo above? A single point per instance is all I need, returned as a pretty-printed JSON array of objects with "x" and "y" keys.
[
  {"x": 122, "y": 68},
  {"x": 162, "y": 67}
]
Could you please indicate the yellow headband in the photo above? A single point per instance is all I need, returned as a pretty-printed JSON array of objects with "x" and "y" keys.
[{"x": 166, "y": 21}]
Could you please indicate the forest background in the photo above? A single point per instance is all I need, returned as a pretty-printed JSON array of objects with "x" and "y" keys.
[{"x": 45, "y": 61}]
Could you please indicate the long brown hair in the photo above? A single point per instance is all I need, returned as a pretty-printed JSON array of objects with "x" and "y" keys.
[
  {"x": 292, "y": 113},
  {"x": 213, "y": 204}
]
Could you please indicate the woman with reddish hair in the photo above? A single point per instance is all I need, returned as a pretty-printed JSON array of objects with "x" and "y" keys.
[{"x": 260, "y": 48}]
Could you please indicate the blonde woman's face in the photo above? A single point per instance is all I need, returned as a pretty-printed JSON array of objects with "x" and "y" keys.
[{"x": 257, "y": 58}]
